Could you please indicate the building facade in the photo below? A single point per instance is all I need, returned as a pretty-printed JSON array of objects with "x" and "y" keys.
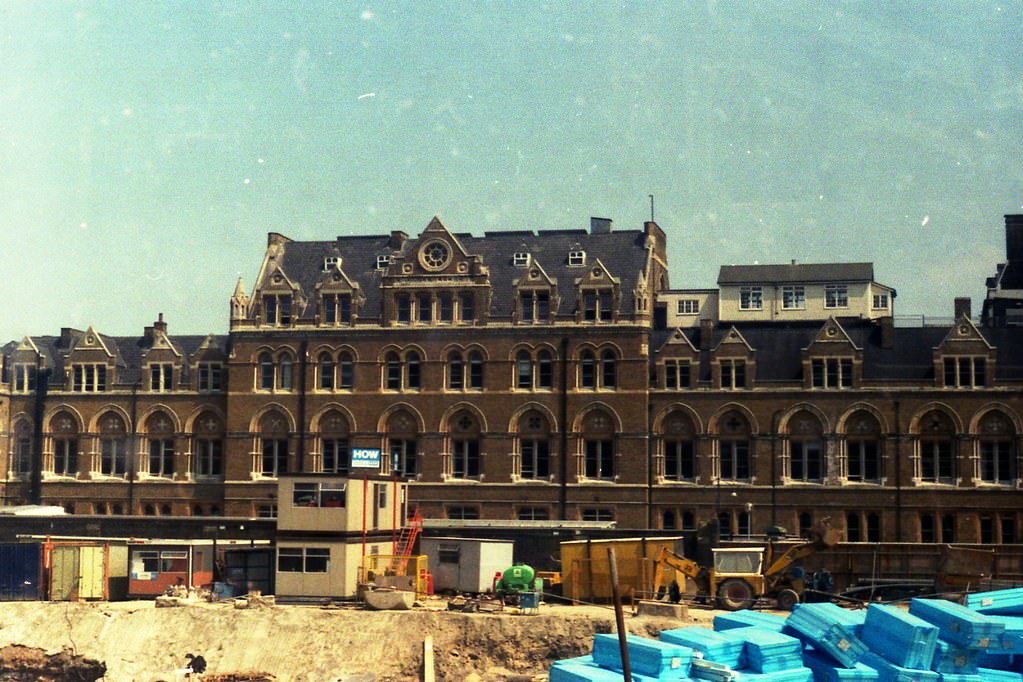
[{"x": 538, "y": 376}]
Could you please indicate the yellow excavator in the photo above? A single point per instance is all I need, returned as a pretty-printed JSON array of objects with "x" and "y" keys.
[{"x": 739, "y": 576}]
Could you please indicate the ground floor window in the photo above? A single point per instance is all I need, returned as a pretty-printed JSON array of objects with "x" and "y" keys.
[
  {"x": 303, "y": 559},
  {"x": 597, "y": 515}
]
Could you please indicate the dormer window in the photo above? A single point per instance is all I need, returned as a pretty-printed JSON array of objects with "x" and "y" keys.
[
  {"x": 577, "y": 257},
  {"x": 832, "y": 372},
  {"x": 965, "y": 372},
  {"x": 331, "y": 263},
  {"x": 337, "y": 309},
  {"x": 520, "y": 259},
  {"x": 383, "y": 261},
  {"x": 277, "y": 309},
  {"x": 24, "y": 378}
]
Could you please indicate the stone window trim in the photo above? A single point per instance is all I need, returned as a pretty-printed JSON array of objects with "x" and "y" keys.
[
  {"x": 160, "y": 377},
  {"x": 429, "y": 308},
  {"x": 532, "y": 369},
  {"x": 598, "y": 369},
  {"x": 402, "y": 370},
  {"x": 25, "y": 376},
  {"x": 275, "y": 371}
]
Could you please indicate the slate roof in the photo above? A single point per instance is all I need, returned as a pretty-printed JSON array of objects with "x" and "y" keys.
[
  {"x": 623, "y": 253},
  {"x": 127, "y": 351},
  {"x": 796, "y": 273},
  {"x": 779, "y": 349}
]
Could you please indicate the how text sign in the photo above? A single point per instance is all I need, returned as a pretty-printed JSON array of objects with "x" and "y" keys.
[{"x": 365, "y": 458}]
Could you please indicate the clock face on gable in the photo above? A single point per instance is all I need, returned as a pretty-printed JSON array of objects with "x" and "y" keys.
[{"x": 435, "y": 255}]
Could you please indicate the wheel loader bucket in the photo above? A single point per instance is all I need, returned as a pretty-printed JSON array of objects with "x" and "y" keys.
[{"x": 825, "y": 536}]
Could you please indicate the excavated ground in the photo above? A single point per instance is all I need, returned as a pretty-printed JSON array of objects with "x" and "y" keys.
[{"x": 135, "y": 641}]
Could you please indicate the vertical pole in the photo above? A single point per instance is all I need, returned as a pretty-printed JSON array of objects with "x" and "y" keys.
[
  {"x": 623, "y": 643},
  {"x": 365, "y": 492},
  {"x": 394, "y": 513}
]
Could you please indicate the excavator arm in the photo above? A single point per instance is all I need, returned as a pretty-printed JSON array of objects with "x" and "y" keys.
[
  {"x": 823, "y": 537},
  {"x": 667, "y": 564}
]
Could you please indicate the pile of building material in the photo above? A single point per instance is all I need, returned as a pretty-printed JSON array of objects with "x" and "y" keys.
[{"x": 934, "y": 641}]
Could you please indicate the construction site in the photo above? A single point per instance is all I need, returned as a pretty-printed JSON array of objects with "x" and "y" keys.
[{"x": 444, "y": 606}]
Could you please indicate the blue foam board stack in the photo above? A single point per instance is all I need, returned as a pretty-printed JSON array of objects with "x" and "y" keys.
[
  {"x": 958, "y": 624},
  {"x": 720, "y": 647},
  {"x": 901, "y": 637},
  {"x": 1012, "y": 639},
  {"x": 953, "y": 658},
  {"x": 652, "y": 657},
  {"x": 826, "y": 670},
  {"x": 829, "y": 629},
  {"x": 768, "y": 651},
  {"x": 992, "y": 675},
  {"x": 890, "y": 672},
  {"x": 956, "y": 677},
  {"x": 860, "y": 618},
  {"x": 745, "y": 619},
  {"x": 1000, "y": 602},
  {"x": 584, "y": 669}
]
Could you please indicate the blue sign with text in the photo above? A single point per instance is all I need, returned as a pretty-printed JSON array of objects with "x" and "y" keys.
[{"x": 365, "y": 458}]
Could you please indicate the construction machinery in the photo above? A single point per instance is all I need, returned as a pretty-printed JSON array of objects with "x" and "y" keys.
[
  {"x": 518, "y": 581},
  {"x": 739, "y": 576}
]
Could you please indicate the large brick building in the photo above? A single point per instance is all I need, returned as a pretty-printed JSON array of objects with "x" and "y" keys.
[{"x": 540, "y": 375}]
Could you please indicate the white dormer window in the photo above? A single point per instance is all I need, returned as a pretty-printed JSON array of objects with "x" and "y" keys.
[
  {"x": 577, "y": 257},
  {"x": 331, "y": 263},
  {"x": 383, "y": 261},
  {"x": 520, "y": 259}
]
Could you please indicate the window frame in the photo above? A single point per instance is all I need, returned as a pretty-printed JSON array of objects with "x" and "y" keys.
[
  {"x": 836, "y": 296},
  {"x": 751, "y": 298},
  {"x": 793, "y": 297}
]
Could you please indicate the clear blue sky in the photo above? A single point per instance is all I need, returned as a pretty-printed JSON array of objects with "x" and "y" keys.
[{"x": 146, "y": 148}]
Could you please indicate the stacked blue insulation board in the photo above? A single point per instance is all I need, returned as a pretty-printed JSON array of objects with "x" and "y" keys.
[
  {"x": 745, "y": 619},
  {"x": 826, "y": 670},
  {"x": 960, "y": 625},
  {"x": 1001, "y": 602},
  {"x": 768, "y": 651},
  {"x": 827, "y": 628},
  {"x": 650, "y": 660},
  {"x": 902, "y": 638},
  {"x": 720, "y": 647}
]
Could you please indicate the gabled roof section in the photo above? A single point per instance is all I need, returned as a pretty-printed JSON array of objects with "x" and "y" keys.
[
  {"x": 161, "y": 342},
  {"x": 27, "y": 344},
  {"x": 534, "y": 275},
  {"x": 676, "y": 341},
  {"x": 796, "y": 273},
  {"x": 277, "y": 280},
  {"x": 832, "y": 332},
  {"x": 596, "y": 273},
  {"x": 733, "y": 337},
  {"x": 336, "y": 279},
  {"x": 91, "y": 340},
  {"x": 963, "y": 331}
]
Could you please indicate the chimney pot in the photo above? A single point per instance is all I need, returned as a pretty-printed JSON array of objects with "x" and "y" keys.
[
  {"x": 963, "y": 307},
  {"x": 706, "y": 333}
]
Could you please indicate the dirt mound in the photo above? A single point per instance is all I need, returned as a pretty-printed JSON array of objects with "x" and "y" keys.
[
  {"x": 25, "y": 664},
  {"x": 137, "y": 641}
]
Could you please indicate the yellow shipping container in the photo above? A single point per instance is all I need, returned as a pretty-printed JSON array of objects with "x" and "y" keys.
[{"x": 586, "y": 573}]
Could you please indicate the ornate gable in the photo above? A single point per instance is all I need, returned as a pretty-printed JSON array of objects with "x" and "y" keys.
[
  {"x": 90, "y": 342},
  {"x": 436, "y": 254},
  {"x": 832, "y": 337},
  {"x": 677, "y": 345},
  {"x": 535, "y": 276},
  {"x": 964, "y": 337},
  {"x": 597, "y": 275},
  {"x": 733, "y": 344}
]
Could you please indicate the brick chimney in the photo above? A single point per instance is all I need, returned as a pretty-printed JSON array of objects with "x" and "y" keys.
[
  {"x": 397, "y": 239},
  {"x": 160, "y": 324},
  {"x": 600, "y": 225},
  {"x": 706, "y": 334},
  {"x": 1014, "y": 238},
  {"x": 963, "y": 306},
  {"x": 887, "y": 332}
]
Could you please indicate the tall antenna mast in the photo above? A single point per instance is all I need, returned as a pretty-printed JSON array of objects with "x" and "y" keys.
[{"x": 651, "y": 208}]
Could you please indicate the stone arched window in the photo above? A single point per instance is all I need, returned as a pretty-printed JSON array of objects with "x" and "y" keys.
[
  {"x": 325, "y": 369},
  {"x": 285, "y": 372},
  {"x": 475, "y": 370},
  {"x": 21, "y": 460},
  {"x": 806, "y": 448},
  {"x": 208, "y": 446},
  {"x": 598, "y": 437},
  {"x": 608, "y": 369},
  {"x": 534, "y": 446},
  {"x": 863, "y": 448},
  {"x": 733, "y": 441},
  {"x": 273, "y": 440},
  {"x": 936, "y": 449},
  {"x": 587, "y": 369},
  {"x": 679, "y": 447},
  {"x": 401, "y": 442},
  {"x": 464, "y": 435},
  {"x": 345, "y": 371},
  {"x": 334, "y": 443},
  {"x": 544, "y": 369},
  {"x": 266, "y": 372},
  {"x": 64, "y": 432},
  {"x": 392, "y": 371},
  {"x": 160, "y": 445},
  {"x": 113, "y": 435},
  {"x": 996, "y": 442},
  {"x": 456, "y": 371}
]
